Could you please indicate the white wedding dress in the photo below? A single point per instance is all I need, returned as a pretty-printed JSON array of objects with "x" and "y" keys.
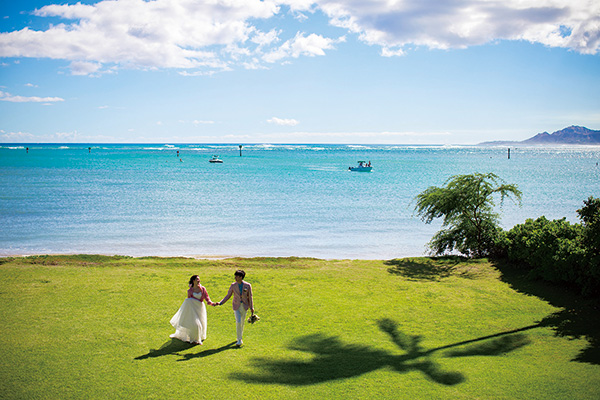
[{"x": 190, "y": 320}]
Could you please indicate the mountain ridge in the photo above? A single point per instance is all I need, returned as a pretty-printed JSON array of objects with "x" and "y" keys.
[{"x": 575, "y": 135}]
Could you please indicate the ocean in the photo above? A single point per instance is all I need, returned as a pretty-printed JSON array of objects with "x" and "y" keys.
[{"x": 274, "y": 200}]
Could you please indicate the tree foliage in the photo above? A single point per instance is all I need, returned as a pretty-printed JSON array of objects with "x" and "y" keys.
[
  {"x": 590, "y": 217},
  {"x": 558, "y": 251},
  {"x": 549, "y": 249},
  {"x": 466, "y": 204}
]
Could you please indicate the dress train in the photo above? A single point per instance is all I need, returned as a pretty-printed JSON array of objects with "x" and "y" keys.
[{"x": 190, "y": 321}]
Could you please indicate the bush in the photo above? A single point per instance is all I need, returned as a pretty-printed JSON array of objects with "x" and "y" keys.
[
  {"x": 557, "y": 251},
  {"x": 550, "y": 249},
  {"x": 590, "y": 217}
]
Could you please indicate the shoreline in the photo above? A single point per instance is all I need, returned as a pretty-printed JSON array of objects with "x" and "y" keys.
[{"x": 204, "y": 256}]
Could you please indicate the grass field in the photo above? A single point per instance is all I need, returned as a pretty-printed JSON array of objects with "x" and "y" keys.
[{"x": 98, "y": 327}]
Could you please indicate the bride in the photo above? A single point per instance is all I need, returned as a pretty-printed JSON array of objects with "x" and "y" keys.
[{"x": 190, "y": 320}]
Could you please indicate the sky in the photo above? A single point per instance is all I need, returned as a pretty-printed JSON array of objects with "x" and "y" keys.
[{"x": 296, "y": 71}]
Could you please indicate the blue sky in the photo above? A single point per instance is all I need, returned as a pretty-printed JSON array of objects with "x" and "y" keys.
[{"x": 297, "y": 71}]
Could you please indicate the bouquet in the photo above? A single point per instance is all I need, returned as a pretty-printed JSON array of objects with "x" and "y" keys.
[{"x": 253, "y": 318}]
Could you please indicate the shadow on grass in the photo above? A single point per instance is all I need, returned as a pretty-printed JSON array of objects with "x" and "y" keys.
[
  {"x": 429, "y": 268},
  {"x": 174, "y": 346},
  {"x": 579, "y": 317},
  {"x": 332, "y": 359},
  {"x": 209, "y": 352}
]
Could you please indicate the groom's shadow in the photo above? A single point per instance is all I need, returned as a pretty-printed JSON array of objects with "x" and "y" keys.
[
  {"x": 209, "y": 352},
  {"x": 175, "y": 346}
]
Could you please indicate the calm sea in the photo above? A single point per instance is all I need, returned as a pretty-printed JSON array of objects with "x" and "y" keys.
[{"x": 275, "y": 200}]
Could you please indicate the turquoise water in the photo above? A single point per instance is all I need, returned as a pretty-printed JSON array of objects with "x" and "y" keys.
[{"x": 275, "y": 200}]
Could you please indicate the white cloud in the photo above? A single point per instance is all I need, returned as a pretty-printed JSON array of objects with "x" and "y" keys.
[
  {"x": 301, "y": 45},
  {"x": 84, "y": 67},
  {"x": 22, "y": 99},
  {"x": 57, "y": 137},
  {"x": 202, "y": 37},
  {"x": 67, "y": 136},
  {"x": 266, "y": 38},
  {"x": 15, "y": 137},
  {"x": 197, "y": 122},
  {"x": 283, "y": 122},
  {"x": 387, "y": 52},
  {"x": 459, "y": 24},
  {"x": 140, "y": 34}
]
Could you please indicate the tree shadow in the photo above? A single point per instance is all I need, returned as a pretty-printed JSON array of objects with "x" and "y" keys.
[
  {"x": 333, "y": 360},
  {"x": 579, "y": 317},
  {"x": 428, "y": 268},
  {"x": 172, "y": 346}
]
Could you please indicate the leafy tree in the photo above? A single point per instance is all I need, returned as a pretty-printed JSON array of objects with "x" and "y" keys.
[{"x": 466, "y": 204}]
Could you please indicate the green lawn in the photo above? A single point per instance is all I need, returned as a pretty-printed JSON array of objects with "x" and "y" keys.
[{"x": 98, "y": 327}]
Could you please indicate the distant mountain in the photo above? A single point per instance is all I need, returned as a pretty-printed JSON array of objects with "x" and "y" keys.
[{"x": 571, "y": 135}]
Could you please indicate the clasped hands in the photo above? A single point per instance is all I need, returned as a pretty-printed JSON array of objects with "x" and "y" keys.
[{"x": 219, "y": 304}]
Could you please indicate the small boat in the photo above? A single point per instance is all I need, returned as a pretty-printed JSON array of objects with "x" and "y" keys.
[
  {"x": 215, "y": 160},
  {"x": 362, "y": 166}
]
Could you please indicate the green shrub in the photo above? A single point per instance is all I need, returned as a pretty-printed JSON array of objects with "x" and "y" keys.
[
  {"x": 550, "y": 249},
  {"x": 590, "y": 218},
  {"x": 557, "y": 251}
]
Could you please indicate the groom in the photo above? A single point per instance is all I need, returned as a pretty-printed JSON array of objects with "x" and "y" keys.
[{"x": 242, "y": 301}]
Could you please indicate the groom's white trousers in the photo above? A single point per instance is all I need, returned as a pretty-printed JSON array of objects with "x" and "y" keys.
[{"x": 240, "y": 318}]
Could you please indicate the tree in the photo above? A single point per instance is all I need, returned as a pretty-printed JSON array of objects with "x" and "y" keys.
[{"x": 466, "y": 203}]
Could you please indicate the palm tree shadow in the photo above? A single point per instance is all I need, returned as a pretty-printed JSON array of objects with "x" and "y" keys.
[
  {"x": 333, "y": 359},
  {"x": 172, "y": 346}
]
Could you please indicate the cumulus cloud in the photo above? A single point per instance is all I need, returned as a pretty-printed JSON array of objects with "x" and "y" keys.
[
  {"x": 85, "y": 67},
  {"x": 23, "y": 99},
  {"x": 140, "y": 34},
  {"x": 15, "y": 137},
  {"x": 283, "y": 121},
  {"x": 573, "y": 24},
  {"x": 201, "y": 38},
  {"x": 57, "y": 137},
  {"x": 302, "y": 45}
]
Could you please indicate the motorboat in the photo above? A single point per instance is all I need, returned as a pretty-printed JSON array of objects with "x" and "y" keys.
[
  {"x": 362, "y": 166},
  {"x": 215, "y": 160}
]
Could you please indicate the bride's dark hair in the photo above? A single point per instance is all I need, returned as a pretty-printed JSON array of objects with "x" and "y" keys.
[{"x": 192, "y": 279}]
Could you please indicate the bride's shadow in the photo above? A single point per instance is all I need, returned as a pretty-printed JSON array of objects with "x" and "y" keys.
[
  {"x": 209, "y": 352},
  {"x": 175, "y": 346}
]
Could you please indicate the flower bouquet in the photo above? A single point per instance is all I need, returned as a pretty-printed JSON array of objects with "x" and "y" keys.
[{"x": 253, "y": 318}]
